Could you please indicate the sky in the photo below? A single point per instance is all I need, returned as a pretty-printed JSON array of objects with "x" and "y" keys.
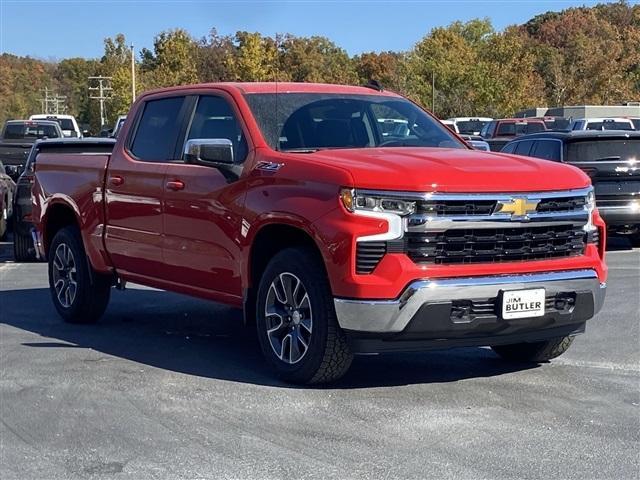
[{"x": 56, "y": 29}]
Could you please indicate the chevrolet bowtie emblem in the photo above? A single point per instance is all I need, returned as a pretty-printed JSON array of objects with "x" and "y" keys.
[{"x": 518, "y": 207}]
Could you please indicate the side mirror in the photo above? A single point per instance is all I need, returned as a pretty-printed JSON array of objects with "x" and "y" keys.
[{"x": 210, "y": 152}]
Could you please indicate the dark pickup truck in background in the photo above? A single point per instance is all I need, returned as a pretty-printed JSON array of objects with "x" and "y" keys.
[
  {"x": 611, "y": 158},
  {"x": 18, "y": 136}
]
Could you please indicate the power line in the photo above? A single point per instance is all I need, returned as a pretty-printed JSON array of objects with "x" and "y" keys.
[
  {"x": 52, "y": 103},
  {"x": 104, "y": 93}
]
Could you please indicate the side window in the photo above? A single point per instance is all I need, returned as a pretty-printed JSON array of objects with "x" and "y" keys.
[
  {"x": 547, "y": 150},
  {"x": 509, "y": 147},
  {"x": 523, "y": 147},
  {"x": 158, "y": 129},
  {"x": 214, "y": 118}
]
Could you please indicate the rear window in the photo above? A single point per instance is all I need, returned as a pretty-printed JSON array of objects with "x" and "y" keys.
[
  {"x": 470, "y": 127},
  {"x": 604, "y": 149},
  {"x": 513, "y": 129},
  {"x": 18, "y": 131},
  {"x": 157, "y": 132},
  {"x": 609, "y": 126}
]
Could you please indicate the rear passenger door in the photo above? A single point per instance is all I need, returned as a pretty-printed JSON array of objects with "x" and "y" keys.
[
  {"x": 135, "y": 186},
  {"x": 203, "y": 206}
]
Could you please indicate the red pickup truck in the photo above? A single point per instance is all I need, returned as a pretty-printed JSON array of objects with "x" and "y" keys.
[{"x": 335, "y": 234}]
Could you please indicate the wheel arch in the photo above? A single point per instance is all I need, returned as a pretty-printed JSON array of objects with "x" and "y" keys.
[{"x": 267, "y": 241}]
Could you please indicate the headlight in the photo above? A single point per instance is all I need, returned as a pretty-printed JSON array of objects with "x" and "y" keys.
[
  {"x": 591, "y": 201},
  {"x": 590, "y": 205},
  {"x": 375, "y": 202}
]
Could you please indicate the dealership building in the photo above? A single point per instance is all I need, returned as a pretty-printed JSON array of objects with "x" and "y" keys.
[{"x": 629, "y": 109}]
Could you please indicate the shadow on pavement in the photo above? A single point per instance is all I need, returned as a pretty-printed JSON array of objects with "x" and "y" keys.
[{"x": 176, "y": 333}]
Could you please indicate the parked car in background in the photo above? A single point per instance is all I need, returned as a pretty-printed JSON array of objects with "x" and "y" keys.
[
  {"x": 477, "y": 142},
  {"x": 619, "y": 123},
  {"x": 18, "y": 136},
  {"x": 334, "y": 238},
  {"x": 498, "y": 132},
  {"x": 450, "y": 125},
  {"x": 23, "y": 248},
  {"x": 7, "y": 190},
  {"x": 68, "y": 123},
  {"x": 470, "y": 125},
  {"x": 610, "y": 158},
  {"x": 118, "y": 126},
  {"x": 554, "y": 123}
]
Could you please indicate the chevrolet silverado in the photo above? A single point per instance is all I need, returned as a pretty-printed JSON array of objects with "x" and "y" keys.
[{"x": 335, "y": 236}]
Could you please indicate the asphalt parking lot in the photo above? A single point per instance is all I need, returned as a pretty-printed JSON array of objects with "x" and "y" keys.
[{"x": 170, "y": 387}]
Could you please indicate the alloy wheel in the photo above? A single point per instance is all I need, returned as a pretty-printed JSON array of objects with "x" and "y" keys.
[
  {"x": 65, "y": 275},
  {"x": 289, "y": 318}
]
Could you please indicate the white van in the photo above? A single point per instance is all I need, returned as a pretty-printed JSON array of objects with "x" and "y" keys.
[
  {"x": 68, "y": 123},
  {"x": 616, "y": 123}
]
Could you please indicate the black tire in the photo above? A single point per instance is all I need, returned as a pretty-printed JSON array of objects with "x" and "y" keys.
[
  {"x": 635, "y": 240},
  {"x": 92, "y": 290},
  {"x": 23, "y": 250},
  {"x": 4, "y": 223},
  {"x": 534, "y": 352},
  {"x": 327, "y": 356}
]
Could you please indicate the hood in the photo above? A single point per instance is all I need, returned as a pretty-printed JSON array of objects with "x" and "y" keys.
[{"x": 450, "y": 170}]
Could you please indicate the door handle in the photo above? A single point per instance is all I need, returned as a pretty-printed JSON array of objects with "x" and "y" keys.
[
  {"x": 116, "y": 180},
  {"x": 175, "y": 185}
]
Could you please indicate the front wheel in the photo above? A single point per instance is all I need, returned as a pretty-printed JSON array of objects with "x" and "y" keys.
[
  {"x": 79, "y": 294},
  {"x": 296, "y": 320},
  {"x": 534, "y": 352}
]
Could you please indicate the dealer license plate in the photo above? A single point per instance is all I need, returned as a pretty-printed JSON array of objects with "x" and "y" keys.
[{"x": 523, "y": 303}]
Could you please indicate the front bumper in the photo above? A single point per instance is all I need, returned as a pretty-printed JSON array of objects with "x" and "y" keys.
[{"x": 468, "y": 308}]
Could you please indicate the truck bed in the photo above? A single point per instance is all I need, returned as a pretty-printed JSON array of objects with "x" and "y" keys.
[{"x": 75, "y": 169}]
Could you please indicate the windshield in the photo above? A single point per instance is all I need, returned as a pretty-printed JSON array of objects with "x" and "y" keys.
[
  {"x": 609, "y": 126},
  {"x": 605, "y": 149},
  {"x": 470, "y": 127},
  {"x": 313, "y": 121}
]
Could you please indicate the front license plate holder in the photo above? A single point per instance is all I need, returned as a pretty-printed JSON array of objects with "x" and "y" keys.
[{"x": 525, "y": 303}]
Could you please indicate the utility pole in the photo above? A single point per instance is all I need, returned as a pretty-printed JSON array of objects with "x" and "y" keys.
[
  {"x": 433, "y": 93},
  {"x": 133, "y": 74},
  {"x": 103, "y": 90},
  {"x": 52, "y": 104}
]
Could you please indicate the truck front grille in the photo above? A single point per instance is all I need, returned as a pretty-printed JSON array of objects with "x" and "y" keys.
[{"x": 495, "y": 245}]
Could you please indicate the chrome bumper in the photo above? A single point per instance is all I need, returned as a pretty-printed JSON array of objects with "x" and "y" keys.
[{"x": 392, "y": 316}]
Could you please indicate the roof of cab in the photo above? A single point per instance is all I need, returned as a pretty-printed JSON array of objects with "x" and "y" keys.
[{"x": 284, "y": 87}]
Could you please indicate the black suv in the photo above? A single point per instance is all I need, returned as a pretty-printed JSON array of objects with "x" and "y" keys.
[{"x": 611, "y": 158}]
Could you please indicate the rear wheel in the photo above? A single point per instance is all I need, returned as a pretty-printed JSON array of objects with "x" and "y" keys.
[
  {"x": 4, "y": 219},
  {"x": 296, "y": 320},
  {"x": 635, "y": 240},
  {"x": 78, "y": 292},
  {"x": 534, "y": 352}
]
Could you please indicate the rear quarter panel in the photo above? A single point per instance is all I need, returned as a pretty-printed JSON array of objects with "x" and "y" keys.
[{"x": 75, "y": 181}]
